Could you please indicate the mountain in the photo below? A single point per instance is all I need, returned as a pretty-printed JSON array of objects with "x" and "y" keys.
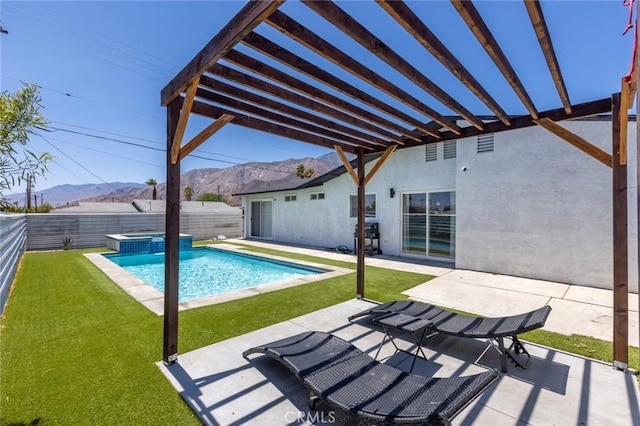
[
  {"x": 68, "y": 194},
  {"x": 227, "y": 181}
]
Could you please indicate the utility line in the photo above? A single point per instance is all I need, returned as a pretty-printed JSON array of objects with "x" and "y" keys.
[{"x": 70, "y": 158}]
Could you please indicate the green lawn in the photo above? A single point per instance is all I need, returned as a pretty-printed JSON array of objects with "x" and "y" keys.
[{"x": 76, "y": 349}]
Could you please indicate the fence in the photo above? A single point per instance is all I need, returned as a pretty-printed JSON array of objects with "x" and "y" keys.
[
  {"x": 13, "y": 234},
  {"x": 48, "y": 231}
]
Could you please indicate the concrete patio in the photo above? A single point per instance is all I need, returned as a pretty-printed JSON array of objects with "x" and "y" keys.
[{"x": 557, "y": 388}]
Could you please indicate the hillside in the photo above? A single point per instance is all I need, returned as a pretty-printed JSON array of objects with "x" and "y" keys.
[{"x": 225, "y": 181}]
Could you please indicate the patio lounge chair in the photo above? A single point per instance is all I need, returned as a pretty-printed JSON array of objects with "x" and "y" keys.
[
  {"x": 454, "y": 324},
  {"x": 349, "y": 380}
]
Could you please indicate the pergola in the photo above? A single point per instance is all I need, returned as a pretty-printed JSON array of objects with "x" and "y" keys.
[{"x": 280, "y": 100}]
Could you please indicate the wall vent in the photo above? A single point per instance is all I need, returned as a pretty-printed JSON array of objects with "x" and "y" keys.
[
  {"x": 485, "y": 143},
  {"x": 450, "y": 149},
  {"x": 431, "y": 152}
]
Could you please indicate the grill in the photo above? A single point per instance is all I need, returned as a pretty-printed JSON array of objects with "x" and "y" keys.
[{"x": 371, "y": 238}]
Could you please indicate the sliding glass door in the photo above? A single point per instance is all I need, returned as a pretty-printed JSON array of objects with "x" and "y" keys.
[
  {"x": 261, "y": 217},
  {"x": 429, "y": 224}
]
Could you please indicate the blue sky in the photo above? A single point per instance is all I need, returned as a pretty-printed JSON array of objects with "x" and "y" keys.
[{"x": 101, "y": 66}]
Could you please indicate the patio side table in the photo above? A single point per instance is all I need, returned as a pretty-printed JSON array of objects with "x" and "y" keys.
[{"x": 416, "y": 327}]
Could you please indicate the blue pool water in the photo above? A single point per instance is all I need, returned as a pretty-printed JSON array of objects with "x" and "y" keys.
[{"x": 206, "y": 272}]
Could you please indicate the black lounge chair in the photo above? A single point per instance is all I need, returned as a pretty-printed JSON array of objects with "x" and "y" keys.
[
  {"x": 454, "y": 324},
  {"x": 349, "y": 380}
]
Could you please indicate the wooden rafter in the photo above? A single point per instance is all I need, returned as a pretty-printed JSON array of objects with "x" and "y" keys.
[
  {"x": 198, "y": 139},
  {"x": 282, "y": 119},
  {"x": 252, "y": 14},
  {"x": 379, "y": 164},
  {"x": 414, "y": 26},
  {"x": 575, "y": 140},
  {"x": 220, "y": 86},
  {"x": 255, "y": 123},
  {"x": 544, "y": 38},
  {"x": 312, "y": 104},
  {"x": 182, "y": 121},
  {"x": 285, "y": 79},
  {"x": 347, "y": 164},
  {"x": 351, "y": 27},
  {"x": 294, "y": 61},
  {"x": 479, "y": 28},
  {"x": 312, "y": 41},
  {"x": 579, "y": 110}
]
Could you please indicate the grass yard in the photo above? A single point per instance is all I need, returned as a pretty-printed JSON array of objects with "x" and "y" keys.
[{"x": 76, "y": 349}]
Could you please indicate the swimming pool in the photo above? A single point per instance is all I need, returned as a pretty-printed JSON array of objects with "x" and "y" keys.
[{"x": 206, "y": 271}]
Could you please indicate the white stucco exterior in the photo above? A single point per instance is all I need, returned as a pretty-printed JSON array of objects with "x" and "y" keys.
[{"x": 534, "y": 207}]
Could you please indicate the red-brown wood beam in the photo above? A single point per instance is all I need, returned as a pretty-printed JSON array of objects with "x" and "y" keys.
[
  {"x": 284, "y": 119},
  {"x": 310, "y": 40},
  {"x": 222, "y": 87},
  {"x": 351, "y": 27},
  {"x": 479, "y": 28},
  {"x": 414, "y": 26},
  {"x": 255, "y": 123},
  {"x": 285, "y": 79},
  {"x": 172, "y": 242},
  {"x": 620, "y": 247},
  {"x": 205, "y": 134},
  {"x": 269, "y": 48},
  {"x": 361, "y": 224},
  {"x": 182, "y": 121},
  {"x": 249, "y": 17},
  {"x": 307, "y": 102},
  {"x": 546, "y": 44}
]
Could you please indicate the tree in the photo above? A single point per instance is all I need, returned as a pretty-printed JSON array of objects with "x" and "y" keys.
[
  {"x": 304, "y": 172},
  {"x": 210, "y": 196},
  {"x": 188, "y": 193},
  {"x": 152, "y": 182},
  {"x": 20, "y": 118}
]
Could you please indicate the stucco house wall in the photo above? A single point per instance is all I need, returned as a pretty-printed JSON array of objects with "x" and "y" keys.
[{"x": 533, "y": 207}]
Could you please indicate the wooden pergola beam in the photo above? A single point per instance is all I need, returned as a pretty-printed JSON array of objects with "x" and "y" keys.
[
  {"x": 620, "y": 246},
  {"x": 249, "y": 17},
  {"x": 313, "y": 42},
  {"x": 544, "y": 38},
  {"x": 408, "y": 20},
  {"x": 222, "y": 87},
  {"x": 182, "y": 121},
  {"x": 283, "y": 119},
  {"x": 274, "y": 74},
  {"x": 351, "y": 27},
  {"x": 269, "y": 48},
  {"x": 379, "y": 163},
  {"x": 346, "y": 163},
  {"x": 255, "y": 123},
  {"x": 205, "y": 134},
  {"x": 575, "y": 140},
  {"x": 578, "y": 110},
  {"x": 480, "y": 30}
]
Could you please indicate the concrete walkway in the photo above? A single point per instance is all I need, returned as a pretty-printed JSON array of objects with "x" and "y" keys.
[{"x": 576, "y": 309}]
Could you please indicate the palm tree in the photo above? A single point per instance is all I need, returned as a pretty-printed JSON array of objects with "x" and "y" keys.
[
  {"x": 188, "y": 193},
  {"x": 153, "y": 182}
]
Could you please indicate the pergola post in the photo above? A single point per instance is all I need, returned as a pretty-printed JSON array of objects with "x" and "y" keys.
[
  {"x": 361, "y": 233},
  {"x": 172, "y": 241},
  {"x": 620, "y": 244}
]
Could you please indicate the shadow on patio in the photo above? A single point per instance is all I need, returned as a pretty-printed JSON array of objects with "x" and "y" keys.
[{"x": 224, "y": 389}]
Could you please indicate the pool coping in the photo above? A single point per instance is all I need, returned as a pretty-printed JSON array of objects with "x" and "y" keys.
[{"x": 153, "y": 299}]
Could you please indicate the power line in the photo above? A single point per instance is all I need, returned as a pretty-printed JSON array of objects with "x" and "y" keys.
[{"x": 70, "y": 158}]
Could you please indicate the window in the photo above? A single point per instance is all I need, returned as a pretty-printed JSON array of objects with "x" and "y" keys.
[
  {"x": 317, "y": 196},
  {"x": 290, "y": 198},
  {"x": 449, "y": 149},
  {"x": 431, "y": 152},
  {"x": 369, "y": 205},
  {"x": 485, "y": 143}
]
